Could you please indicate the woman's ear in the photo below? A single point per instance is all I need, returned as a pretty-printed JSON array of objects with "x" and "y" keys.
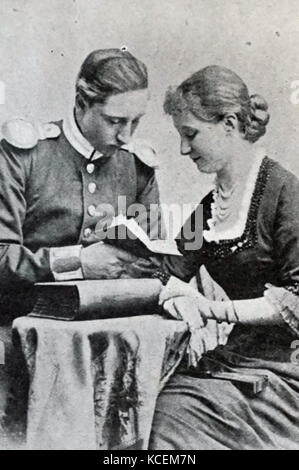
[
  {"x": 230, "y": 123},
  {"x": 80, "y": 102}
]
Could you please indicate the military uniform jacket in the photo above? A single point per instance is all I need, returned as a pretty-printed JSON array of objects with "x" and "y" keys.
[{"x": 48, "y": 199}]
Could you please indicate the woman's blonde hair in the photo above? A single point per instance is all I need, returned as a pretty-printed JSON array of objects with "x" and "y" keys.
[{"x": 213, "y": 92}]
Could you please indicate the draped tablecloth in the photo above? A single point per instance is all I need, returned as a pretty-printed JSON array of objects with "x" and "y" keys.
[{"x": 94, "y": 384}]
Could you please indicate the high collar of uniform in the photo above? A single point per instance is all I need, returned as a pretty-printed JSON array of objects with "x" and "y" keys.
[{"x": 77, "y": 139}]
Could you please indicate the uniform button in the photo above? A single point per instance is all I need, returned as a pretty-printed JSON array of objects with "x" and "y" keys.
[
  {"x": 92, "y": 187},
  {"x": 90, "y": 168},
  {"x": 91, "y": 210},
  {"x": 87, "y": 232}
]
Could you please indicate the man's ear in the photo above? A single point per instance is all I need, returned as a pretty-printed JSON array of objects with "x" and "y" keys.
[{"x": 230, "y": 123}]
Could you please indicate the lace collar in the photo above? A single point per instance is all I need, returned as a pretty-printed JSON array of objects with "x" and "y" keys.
[
  {"x": 238, "y": 228},
  {"x": 246, "y": 235}
]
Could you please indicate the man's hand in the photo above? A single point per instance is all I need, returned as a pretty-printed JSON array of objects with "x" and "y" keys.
[
  {"x": 103, "y": 261},
  {"x": 142, "y": 267}
]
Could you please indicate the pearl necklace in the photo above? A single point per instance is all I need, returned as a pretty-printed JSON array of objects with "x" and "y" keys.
[
  {"x": 230, "y": 208},
  {"x": 223, "y": 202}
]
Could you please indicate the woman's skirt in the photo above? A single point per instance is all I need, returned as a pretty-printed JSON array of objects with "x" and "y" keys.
[{"x": 194, "y": 413}]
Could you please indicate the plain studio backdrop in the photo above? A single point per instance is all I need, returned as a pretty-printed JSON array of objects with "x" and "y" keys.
[{"x": 44, "y": 42}]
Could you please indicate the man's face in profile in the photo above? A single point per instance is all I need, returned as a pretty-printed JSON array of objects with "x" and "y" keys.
[{"x": 112, "y": 124}]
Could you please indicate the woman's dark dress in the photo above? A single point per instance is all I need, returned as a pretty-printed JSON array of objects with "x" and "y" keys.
[{"x": 195, "y": 413}]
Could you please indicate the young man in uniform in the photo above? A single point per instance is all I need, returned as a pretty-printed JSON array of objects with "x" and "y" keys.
[{"x": 54, "y": 178}]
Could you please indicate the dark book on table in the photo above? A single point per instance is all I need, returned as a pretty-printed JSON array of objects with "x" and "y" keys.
[{"x": 88, "y": 300}]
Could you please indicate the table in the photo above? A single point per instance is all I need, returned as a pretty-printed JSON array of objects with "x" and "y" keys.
[{"x": 94, "y": 384}]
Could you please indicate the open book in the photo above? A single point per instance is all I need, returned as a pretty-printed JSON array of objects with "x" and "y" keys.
[{"x": 127, "y": 234}]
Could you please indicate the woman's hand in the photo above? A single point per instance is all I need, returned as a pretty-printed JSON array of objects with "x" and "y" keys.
[
  {"x": 185, "y": 308},
  {"x": 177, "y": 288},
  {"x": 177, "y": 296},
  {"x": 183, "y": 302}
]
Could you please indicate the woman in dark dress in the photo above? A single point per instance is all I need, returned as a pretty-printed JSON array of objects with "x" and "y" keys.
[{"x": 250, "y": 253}]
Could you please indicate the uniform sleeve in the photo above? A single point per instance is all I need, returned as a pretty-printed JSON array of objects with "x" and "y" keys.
[
  {"x": 285, "y": 296},
  {"x": 18, "y": 265}
]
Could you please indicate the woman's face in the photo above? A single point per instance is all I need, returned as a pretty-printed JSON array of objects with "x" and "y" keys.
[
  {"x": 206, "y": 143},
  {"x": 112, "y": 124}
]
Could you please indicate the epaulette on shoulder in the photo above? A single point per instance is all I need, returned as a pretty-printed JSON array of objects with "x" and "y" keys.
[
  {"x": 25, "y": 134},
  {"x": 144, "y": 151}
]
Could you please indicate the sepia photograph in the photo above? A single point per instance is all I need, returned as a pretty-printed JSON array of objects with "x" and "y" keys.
[{"x": 149, "y": 227}]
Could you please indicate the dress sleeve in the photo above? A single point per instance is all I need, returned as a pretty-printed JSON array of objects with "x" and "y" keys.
[
  {"x": 285, "y": 297},
  {"x": 189, "y": 243}
]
